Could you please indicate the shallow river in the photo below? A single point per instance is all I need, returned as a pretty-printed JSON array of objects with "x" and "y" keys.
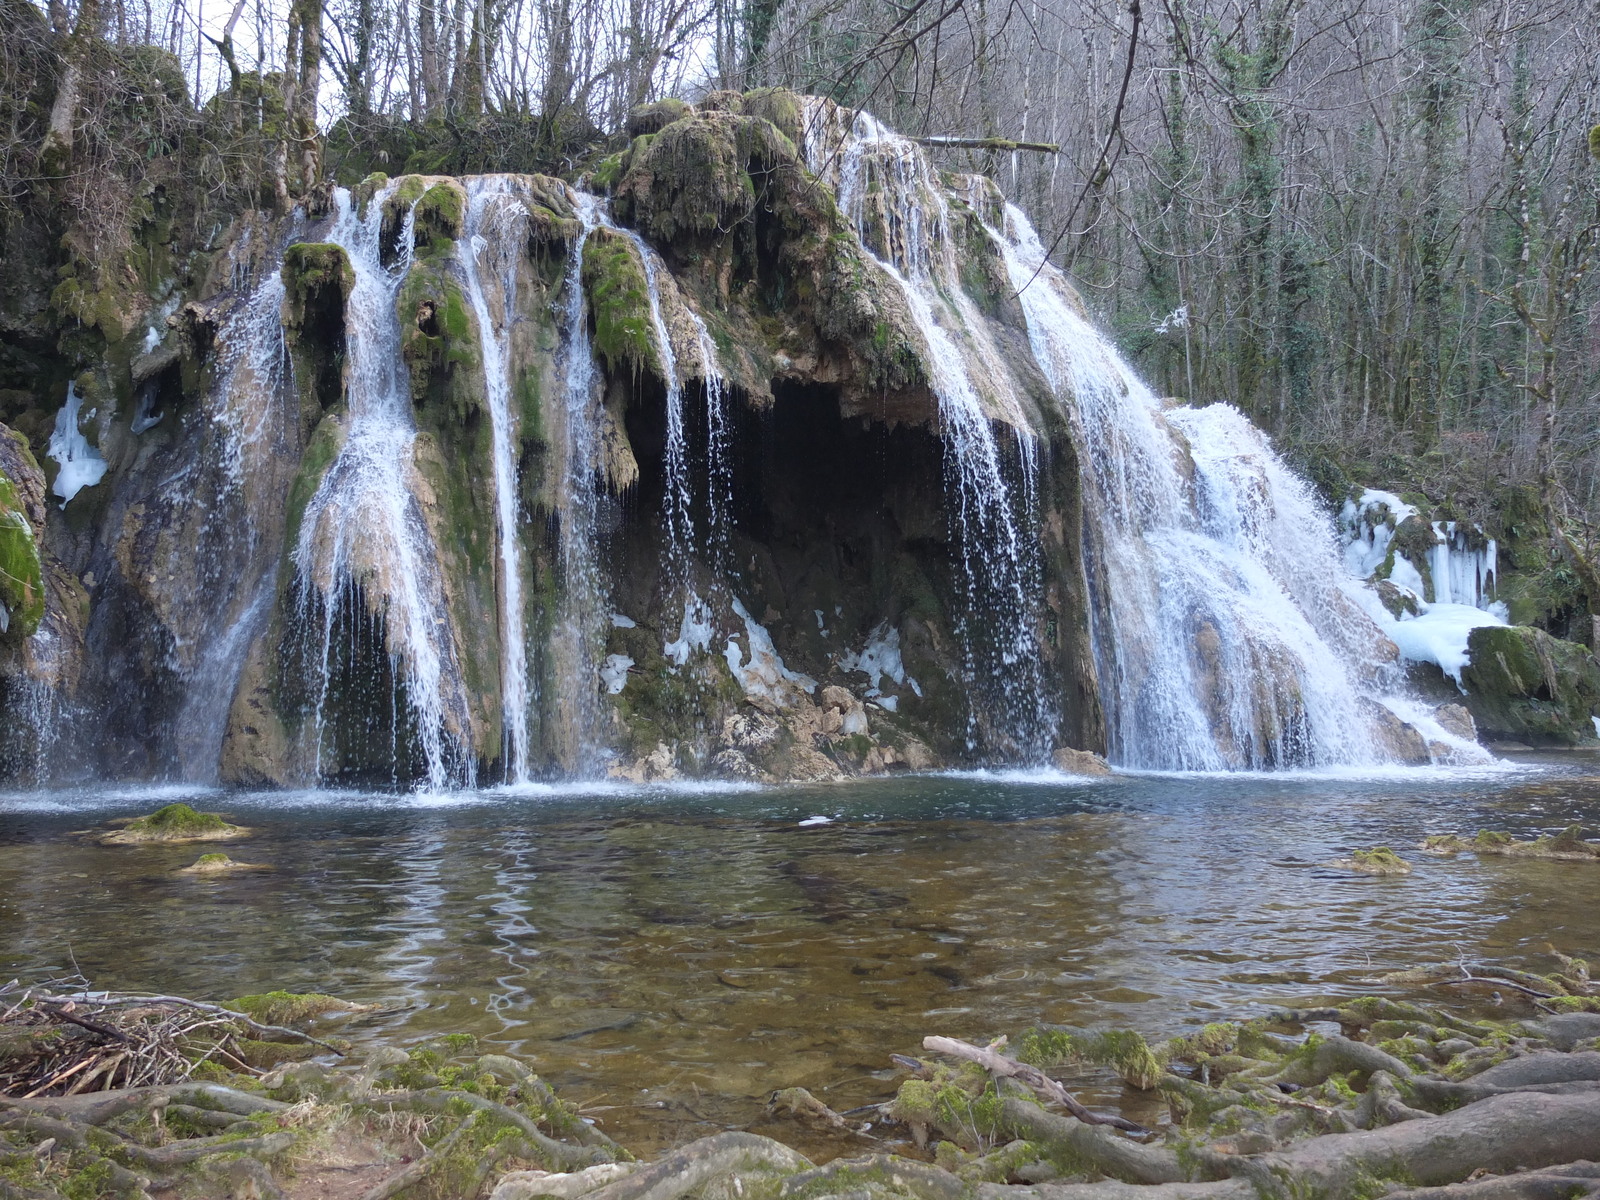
[{"x": 670, "y": 957}]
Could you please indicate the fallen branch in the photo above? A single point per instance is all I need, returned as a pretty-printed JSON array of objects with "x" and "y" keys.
[
  {"x": 999, "y": 1064},
  {"x": 1003, "y": 145}
]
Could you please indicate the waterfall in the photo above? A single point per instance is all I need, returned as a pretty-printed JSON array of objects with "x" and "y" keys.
[
  {"x": 496, "y": 226},
  {"x": 1222, "y": 632},
  {"x": 886, "y": 188},
  {"x": 580, "y": 629},
  {"x": 246, "y": 415},
  {"x": 678, "y": 498},
  {"x": 363, "y": 531}
]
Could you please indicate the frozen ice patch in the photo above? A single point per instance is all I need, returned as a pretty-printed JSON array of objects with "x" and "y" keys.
[
  {"x": 81, "y": 464},
  {"x": 764, "y": 674},
  {"x": 614, "y": 672},
  {"x": 694, "y": 631}
]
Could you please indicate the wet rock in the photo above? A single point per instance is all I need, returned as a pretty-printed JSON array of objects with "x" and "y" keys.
[
  {"x": 1380, "y": 860},
  {"x": 175, "y": 823},
  {"x": 660, "y": 765},
  {"x": 1396, "y": 740},
  {"x": 219, "y": 864},
  {"x": 1456, "y": 719},
  {"x": 1524, "y": 685},
  {"x": 1078, "y": 762}
]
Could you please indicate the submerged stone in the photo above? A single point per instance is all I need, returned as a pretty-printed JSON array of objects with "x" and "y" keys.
[
  {"x": 219, "y": 864},
  {"x": 1380, "y": 860}
]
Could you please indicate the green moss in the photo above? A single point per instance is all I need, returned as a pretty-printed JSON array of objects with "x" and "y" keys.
[
  {"x": 697, "y": 176},
  {"x": 439, "y": 215},
  {"x": 609, "y": 171},
  {"x": 1381, "y": 859},
  {"x": 21, "y": 571},
  {"x": 619, "y": 301},
  {"x": 1527, "y": 685},
  {"x": 317, "y": 278},
  {"x": 779, "y": 106},
  {"x": 1123, "y": 1050},
  {"x": 291, "y": 1009},
  {"x": 652, "y": 118},
  {"x": 90, "y": 1183},
  {"x": 177, "y": 821},
  {"x": 439, "y": 341},
  {"x": 320, "y": 452}
]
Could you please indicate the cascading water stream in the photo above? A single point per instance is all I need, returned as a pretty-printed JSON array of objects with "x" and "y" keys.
[
  {"x": 496, "y": 227},
  {"x": 363, "y": 531},
  {"x": 1222, "y": 632},
  {"x": 243, "y": 409},
  {"x": 678, "y": 500},
  {"x": 885, "y": 186},
  {"x": 579, "y": 633}
]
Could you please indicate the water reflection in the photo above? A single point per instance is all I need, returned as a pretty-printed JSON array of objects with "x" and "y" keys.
[{"x": 674, "y": 956}]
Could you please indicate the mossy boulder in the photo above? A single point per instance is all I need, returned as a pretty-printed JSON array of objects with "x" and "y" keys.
[
  {"x": 1567, "y": 846},
  {"x": 1380, "y": 860},
  {"x": 219, "y": 864},
  {"x": 619, "y": 302},
  {"x": 293, "y": 1010},
  {"x": 1525, "y": 685},
  {"x": 780, "y": 106},
  {"x": 175, "y": 823},
  {"x": 653, "y": 118},
  {"x": 697, "y": 176},
  {"x": 440, "y": 213},
  {"x": 21, "y": 572},
  {"x": 439, "y": 341},
  {"x": 317, "y": 281}
]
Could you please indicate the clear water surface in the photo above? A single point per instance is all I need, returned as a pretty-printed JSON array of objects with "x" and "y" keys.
[{"x": 668, "y": 957}]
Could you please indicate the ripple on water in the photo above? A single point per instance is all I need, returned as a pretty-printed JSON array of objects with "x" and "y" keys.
[{"x": 652, "y": 946}]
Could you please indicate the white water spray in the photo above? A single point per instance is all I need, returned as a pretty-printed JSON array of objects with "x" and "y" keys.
[
  {"x": 885, "y": 186},
  {"x": 1223, "y": 636},
  {"x": 496, "y": 229},
  {"x": 364, "y": 529}
]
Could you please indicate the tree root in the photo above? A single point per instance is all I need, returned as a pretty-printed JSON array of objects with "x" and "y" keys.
[{"x": 558, "y": 1156}]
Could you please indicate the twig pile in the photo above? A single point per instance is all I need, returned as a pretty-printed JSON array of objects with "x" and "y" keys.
[{"x": 62, "y": 1039}]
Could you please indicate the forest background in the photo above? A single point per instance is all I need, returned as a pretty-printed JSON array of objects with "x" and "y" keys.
[{"x": 1370, "y": 225}]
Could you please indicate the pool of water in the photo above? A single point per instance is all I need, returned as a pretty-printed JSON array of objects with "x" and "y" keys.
[{"x": 668, "y": 957}]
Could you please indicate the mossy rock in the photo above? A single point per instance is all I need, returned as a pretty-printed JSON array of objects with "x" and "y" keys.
[
  {"x": 697, "y": 176},
  {"x": 653, "y": 118},
  {"x": 440, "y": 214},
  {"x": 175, "y": 823},
  {"x": 619, "y": 301},
  {"x": 21, "y": 571},
  {"x": 292, "y": 1010},
  {"x": 219, "y": 864},
  {"x": 780, "y": 106},
  {"x": 1380, "y": 860},
  {"x": 439, "y": 341},
  {"x": 1524, "y": 685},
  {"x": 317, "y": 281}
]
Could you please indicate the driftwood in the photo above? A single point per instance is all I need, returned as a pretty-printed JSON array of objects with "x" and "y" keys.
[
  {"x": 1002, "y": 145},
  {"x": 991, "y": 1060}
]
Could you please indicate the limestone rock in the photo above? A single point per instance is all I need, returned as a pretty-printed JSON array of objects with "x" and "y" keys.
[
  {"x": 1078, "y": 762},
  {"x": 658, "y": 766},
  {"x": 1456, "y": 719}
]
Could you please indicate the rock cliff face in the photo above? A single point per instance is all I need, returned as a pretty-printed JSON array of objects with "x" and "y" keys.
[{"x": 754, "y": 455}]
